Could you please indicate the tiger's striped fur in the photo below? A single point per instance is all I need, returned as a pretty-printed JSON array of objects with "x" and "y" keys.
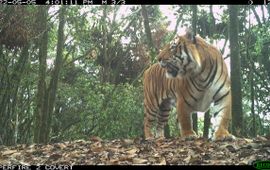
[{"x": 192, "y": 73}]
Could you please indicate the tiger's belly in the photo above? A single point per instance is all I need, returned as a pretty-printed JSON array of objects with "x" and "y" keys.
[{"x": 203, "y": 102}]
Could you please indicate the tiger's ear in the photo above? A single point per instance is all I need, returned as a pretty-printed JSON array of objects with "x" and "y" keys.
[{"x": 191, "y": 36}]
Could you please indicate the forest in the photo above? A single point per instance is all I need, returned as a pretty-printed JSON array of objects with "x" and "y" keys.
[{"x": 75, "y": 72}]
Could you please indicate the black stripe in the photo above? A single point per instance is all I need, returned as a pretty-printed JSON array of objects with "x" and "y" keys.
[
  {"x": 193, "y": 83},
  {"x": 163, "y": 121},
  {"x": 156, "y": 97},
  {"x": 165, "y": 110},
  {"x": 211, "y": 67},
  {"x": 152, "y": 114},
  {"x": 222, "y": 85},
  {"x": 160, "y": 124},
  {"x": 155, "y": 111},
  {"x": 222, "y": 97},
  {"x": 194, "y": 98},
  {"x": 172, "y": 66},
  {"x": 216, "y": 113},
  {"x": 187, "y": 102},
  {"x": 171, "y": 89},
  {"x": 189, "y": 57},
  {"x": 221, "y": 72},
  {"x": 204, "y": 66},
  {"x": 179, "y": 57},
  {"x": 211, "y": 61},
  {"x": 191, "y": 90},
  {"x": 213, "y": 75},
  {"x": 151, "y": 121},
  {"x": 185, "y": 66},
  {"x": 150, "y": 124},
  {"x": 185, "y": 48},
  {"x": 165, "y": 115}
]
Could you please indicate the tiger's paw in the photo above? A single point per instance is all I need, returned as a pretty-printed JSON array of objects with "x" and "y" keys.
[
  {"x": 189, "y": 135},
  {"x": 223, "y": 135}
]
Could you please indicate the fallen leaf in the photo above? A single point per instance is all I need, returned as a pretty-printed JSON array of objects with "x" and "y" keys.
[
  {"x": 163, "y": 161},
  {"x": 248, "y": 160},
  {"x": 254, "y": 145},
  {"x": 231, "y": 148},
  {"x": 160, "y": 141},
  {"x": 113, "y": 150},
  {"x": 172, "y": 151},
  {"x": 97, "y": 149},
  {"x": 187, "y": 159},
  {"x": 127, "y": 142},
  {"x": 126, "y": 158},
  {"x": 95, "y": 139},
  {"x": 8, "y": 152},
  {"x": 113, "y": 162},
  {"x": 60, "y": 145},
  {"x": 247, "y": 140},
  {"x": 261, "y": 138},
  {"x": 132, "y": 151},
  {"x": 55, "y": 156},
  {"x": 139, "y": 161}
]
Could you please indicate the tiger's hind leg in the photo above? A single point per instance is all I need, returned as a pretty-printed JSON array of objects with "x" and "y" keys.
[
  {"x": 159, "y": 113},
  {"x": 164, "y": 112},
  {"x": 150, "y": 115}
]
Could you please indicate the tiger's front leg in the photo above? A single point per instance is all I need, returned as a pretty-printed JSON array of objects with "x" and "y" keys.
[
  {"x": 223, "y": 107},
  {"x": 185, "y": 120}
]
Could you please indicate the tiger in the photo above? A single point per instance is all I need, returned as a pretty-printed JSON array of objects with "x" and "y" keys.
[{"x": 191, "y": 74}]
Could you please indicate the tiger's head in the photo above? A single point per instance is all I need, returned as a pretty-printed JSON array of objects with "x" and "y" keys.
[{"x": 181, "y": 57}]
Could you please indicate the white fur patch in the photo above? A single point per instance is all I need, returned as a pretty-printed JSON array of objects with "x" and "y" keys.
[{"x": 169, "y": 75}]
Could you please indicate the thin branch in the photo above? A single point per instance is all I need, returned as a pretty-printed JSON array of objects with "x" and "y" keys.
[
  {"x": 80, "y": 57},
  {"x": 256, "y": 16}
]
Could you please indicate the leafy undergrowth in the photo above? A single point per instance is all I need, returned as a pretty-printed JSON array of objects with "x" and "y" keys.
[{"x": 138, "y": 151}]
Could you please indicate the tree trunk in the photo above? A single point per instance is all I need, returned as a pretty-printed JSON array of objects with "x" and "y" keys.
[
  {"x": 206, "y": 124},
  {"x": 17, "y": 77},
  {"x": 266, "y": 59},
  {"x": 194, "y": 29},
  {"x": 10, "y": 84},
  {"x": 52, "y": 90},
  {"x": 237, "y": 115},
  {"x": 147, "y": 27},
  {"x": 46, "y": 96},
  {"x": 212, "y": 22},
  {"x": 148, "y": 33},
  {"x": 194, "y": 18},
  {"x": 40, "y": 109},
  {"x": 105, "y": 61},
  {"x": 263, "y": 16},
  {"x": 252, "y": 105},
  {"x": 268, "y": 9},
  {"x": 251, "y": 80}
]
